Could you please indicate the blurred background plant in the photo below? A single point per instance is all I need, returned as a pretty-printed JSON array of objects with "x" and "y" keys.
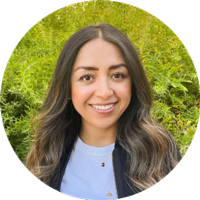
[{"x": 166, "y": 61}]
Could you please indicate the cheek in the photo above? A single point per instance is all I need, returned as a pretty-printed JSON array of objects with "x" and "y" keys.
[
  {"x": 124, "y": 91},
  {"x": 80, "y": 93},
  {"x": 77, "y": 97}
]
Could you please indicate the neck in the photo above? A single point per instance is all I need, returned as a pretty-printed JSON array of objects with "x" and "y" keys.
[{"x": 98, "y": 137}]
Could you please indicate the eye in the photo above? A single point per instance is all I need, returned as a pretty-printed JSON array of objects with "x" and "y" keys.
[
  {"x": 86, "y": 77},
  {"x": 118, "y": 76}
]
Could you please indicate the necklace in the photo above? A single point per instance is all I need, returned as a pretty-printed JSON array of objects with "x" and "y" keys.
[
  {"x": 109, "y": 194},
  {"x": 103, "y": 164}
]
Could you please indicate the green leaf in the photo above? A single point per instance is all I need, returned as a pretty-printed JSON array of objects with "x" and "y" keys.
[
  {"x": 176, "y": 99},
  {"x": 174, "y": 69},
  {"x": 175, "y": 83}
]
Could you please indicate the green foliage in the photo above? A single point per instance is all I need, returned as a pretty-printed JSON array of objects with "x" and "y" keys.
[{"x": 167, "y": 63}]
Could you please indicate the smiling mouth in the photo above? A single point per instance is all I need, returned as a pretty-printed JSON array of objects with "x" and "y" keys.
[
  {"x": 106, "y": 107},
  {"x": 103, "y": 107}
]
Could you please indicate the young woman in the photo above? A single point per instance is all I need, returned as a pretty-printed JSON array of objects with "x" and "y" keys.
[{"x": 95, "y": 138}]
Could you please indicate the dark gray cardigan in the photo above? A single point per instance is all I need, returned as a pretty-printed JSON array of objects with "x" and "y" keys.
[{"x": 119, "y": 161}]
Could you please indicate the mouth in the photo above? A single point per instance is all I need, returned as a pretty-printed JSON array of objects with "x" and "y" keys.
[{"x": 103, "y": 108}]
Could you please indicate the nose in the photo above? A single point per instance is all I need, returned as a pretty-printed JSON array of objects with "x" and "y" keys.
[{"x": 103, "y": 89}]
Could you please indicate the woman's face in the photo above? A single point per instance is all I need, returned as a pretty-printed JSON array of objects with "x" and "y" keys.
[{"x": 100, "y": 84}]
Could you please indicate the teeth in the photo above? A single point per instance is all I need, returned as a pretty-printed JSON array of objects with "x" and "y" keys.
[{"x": 103, "y": 107}]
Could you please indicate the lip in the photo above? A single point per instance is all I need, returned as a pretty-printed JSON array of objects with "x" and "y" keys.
[
  {"x": 103, "y": 104},
  {"x": 103, "y": 111}
]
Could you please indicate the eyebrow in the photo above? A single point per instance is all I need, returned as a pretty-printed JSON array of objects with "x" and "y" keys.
[{"x": 96, "y": 68}]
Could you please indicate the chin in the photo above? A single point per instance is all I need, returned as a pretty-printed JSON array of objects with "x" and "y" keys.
[{"x": 105, "y": 126}]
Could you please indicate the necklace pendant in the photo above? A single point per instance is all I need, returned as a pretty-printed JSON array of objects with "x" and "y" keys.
[
  {"x": 109, "y": 195},
  {"x": 103, "y": 164}
]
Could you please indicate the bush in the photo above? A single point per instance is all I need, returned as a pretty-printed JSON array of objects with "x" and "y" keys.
[{"x": 167, "y": 63}]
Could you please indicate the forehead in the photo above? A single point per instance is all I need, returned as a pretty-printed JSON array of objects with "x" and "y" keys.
[{"x": 99, "y": 52}]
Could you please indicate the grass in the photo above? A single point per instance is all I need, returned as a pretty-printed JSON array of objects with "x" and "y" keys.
[{"x": 166, "y": 61}]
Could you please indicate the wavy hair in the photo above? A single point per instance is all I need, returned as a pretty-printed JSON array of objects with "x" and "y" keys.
[{"x": 152, "y": 151}]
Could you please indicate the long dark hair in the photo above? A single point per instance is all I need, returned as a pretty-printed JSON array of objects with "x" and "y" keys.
[{"x": 152, "y": 151}]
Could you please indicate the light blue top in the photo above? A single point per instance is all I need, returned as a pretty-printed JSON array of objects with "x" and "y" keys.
[{"x": 85, "y": 177}]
